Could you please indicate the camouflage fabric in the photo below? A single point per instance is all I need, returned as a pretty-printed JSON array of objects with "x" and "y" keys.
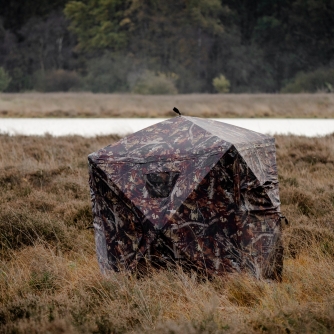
[{"x": 188, "y": 189}]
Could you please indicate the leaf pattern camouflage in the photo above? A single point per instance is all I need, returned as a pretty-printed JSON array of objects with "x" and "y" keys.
[{"x": 188, "y": 190}]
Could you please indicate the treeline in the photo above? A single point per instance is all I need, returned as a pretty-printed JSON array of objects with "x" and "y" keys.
[{"x": 159, "y": 47}]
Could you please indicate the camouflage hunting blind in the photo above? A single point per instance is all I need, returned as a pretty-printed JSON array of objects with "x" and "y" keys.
[{"x": 188, "y": 190}]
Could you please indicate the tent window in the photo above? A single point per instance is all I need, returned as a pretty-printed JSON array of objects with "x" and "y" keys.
[{"x": 159, "y": 185}]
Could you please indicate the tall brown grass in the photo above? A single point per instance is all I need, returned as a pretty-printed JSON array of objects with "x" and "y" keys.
[
  {"x": 202, "y": 105},
  {"x": 50, "y": 281}
]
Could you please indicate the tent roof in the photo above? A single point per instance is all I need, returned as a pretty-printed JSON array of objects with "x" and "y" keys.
[{"x": 178, "y": 138}]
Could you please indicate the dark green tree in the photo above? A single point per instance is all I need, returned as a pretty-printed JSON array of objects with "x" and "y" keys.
[
  {"x": 16, "y": 14},
  {"x": 98, "y": 24},
  {"x": 173, "y": 37}
]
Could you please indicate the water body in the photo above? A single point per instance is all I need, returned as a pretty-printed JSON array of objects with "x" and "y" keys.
[{"x": 90, "y": 127}]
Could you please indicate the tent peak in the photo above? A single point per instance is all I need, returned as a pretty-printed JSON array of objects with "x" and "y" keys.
[{"x": 178, "y": 138}]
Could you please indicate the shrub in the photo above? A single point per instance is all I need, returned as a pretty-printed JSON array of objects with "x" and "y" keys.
[
  {"x": 57, "y": 81},
  {"x": 4, "y": 79},
  {"x": 156, "y": 84},
  {"x": 108, "y": 74},
  {"x": 319, "y": 80},
  {"x": 186, "y": 81},
  {"x": 221, "y": 84}
]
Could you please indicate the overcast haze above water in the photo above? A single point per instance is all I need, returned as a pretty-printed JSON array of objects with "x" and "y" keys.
[{"x": 90, "y": 127}]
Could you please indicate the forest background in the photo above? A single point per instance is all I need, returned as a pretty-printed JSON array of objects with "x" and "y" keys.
[{"x": 167, "y": 47}]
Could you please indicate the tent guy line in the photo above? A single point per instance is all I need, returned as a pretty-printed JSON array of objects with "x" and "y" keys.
[{"x": 91, "y": 127}]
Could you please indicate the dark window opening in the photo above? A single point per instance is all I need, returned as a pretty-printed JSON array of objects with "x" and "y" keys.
[{"x": 159, "y": 185}]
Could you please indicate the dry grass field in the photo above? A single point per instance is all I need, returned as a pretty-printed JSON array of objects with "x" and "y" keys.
[
  {"x": 49, "y": 277},
  {"x": 201, "y": 105}
]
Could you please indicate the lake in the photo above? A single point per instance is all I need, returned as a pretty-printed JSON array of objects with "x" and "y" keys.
[{"x": 90, "y": 127}]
